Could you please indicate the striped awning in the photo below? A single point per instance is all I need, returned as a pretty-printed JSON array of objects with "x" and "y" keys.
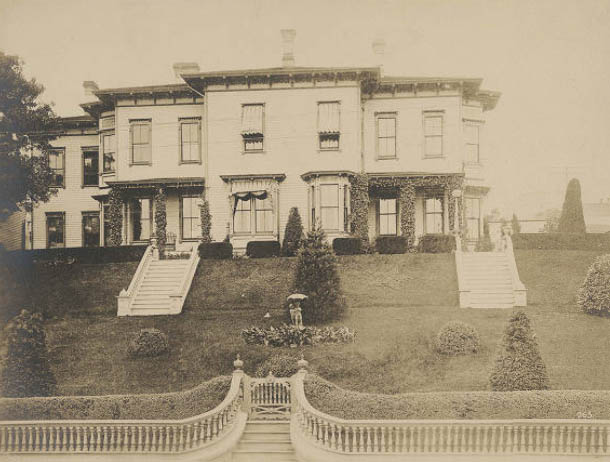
[
  {"x": 328, "y": 117},
  {"x": 252, "y": 120}
]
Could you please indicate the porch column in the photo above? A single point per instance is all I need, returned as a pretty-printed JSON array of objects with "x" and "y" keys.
[
  {"x": 160, "y": 204},
  {"x": 116, "y": 201},
  {"x": 406, "y": 200}
]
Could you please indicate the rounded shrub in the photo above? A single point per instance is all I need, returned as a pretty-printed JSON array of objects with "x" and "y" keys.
[
  {"x": 148, "y": 343},
  {"x": 594, "y": 294},
  {"x": 278, "y": 365},
  {"x": 457, "y": 338}
]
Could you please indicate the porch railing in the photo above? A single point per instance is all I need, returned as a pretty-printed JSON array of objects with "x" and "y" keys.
[
  {"x": 495, "y": 437},
  {"x": 178, "y": 298},
  {"x": 124, "y": 436}
]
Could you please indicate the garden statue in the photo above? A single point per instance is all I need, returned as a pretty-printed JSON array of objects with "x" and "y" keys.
[{"x": 294, "y": 304}]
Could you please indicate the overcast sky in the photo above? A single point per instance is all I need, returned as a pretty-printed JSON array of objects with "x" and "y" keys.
[{"x": 549, "y": 58}]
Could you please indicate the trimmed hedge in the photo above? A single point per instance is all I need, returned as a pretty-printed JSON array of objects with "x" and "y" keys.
[
  {"x": 562, "y": 241},
  {"x": 263, "y": 249},
  {"x": 124, "y": 253},
  {"x": 436, "y": 243},
  {"x": 216, "y": 250},
  {"x": 457, "y": 338},
  {"x": 347, "y": 245},
  {"x": 391, "y": 244},
  {"x": 594, "y": 294},
  {"x": 535, "y": 404},
  {"x": 177, "y": 405}
]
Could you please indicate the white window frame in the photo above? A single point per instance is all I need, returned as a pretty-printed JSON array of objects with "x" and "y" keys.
[
  {"x": 334, "y": 136},
  {"x": 54, "y": 151},
  {"x": 380, "y": 216},
  {"x": 428, "y": 115},
  {"x": 145, "y": 123},
  {"x": 109, "y": 153},
  {"x": 383, "y": 116},
  {"x": 190, "y": 121},
  {"x": 435, "y": 213},
  {"x": 468, "y": 143}
]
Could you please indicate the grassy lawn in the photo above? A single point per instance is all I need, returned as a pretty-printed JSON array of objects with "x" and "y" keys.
[{"x": 397, "y": 303}]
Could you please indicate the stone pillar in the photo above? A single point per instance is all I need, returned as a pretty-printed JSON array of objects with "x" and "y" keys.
[{"x": 407, "y": 212}]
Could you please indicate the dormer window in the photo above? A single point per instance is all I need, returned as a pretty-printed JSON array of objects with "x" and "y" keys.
[
  {"x": 329, "y": 126},
  {"x": 252, "y": 127}
]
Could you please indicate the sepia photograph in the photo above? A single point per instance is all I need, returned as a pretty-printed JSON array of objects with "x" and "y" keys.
[{"x": 307, "y": 231}]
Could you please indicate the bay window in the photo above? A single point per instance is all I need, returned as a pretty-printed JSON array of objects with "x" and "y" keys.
[
  {"x": 329, "y": 206},
  {"x": 108, "y": 150}
]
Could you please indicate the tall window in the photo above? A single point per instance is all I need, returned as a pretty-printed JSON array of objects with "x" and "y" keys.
[
  {"x": 434, "y": 215},
  {"x": 141, "y": 219},
  {"x": 471, "y": 133},
  {"x": 329, "y": 206},
  {"x": 56, "y": 230},
  {"x": 90, "y": 167},
  {"x": 252, "y": 126},
  {"x": 241, "y": 217},
  {"x": 140, "y": 132},
  {"x": 106, "y": 208},
  {"x": 190, "y": 140},
  {"x": 108, "y": 150},
  {"x": 386, "y": 136},
  {"x": 433, "y": 134},
  {"x": 91, "y": 229},
  {"x": 190, "y": 217},
  {"x": 57, "y": 165},
  {"x": 473, "y": 216},
  {"x": 387, "y": 216},
  {"x": 263, "y": 215},
  {"x": 329, "y": 125}
]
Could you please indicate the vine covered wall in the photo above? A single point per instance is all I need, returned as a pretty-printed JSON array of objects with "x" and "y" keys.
[
  {"x": 206, "y": 220},
  {"x": 115, "y": 216},
  {"x": 161, "y": 219},
  {"x": 359, "y": 225}
]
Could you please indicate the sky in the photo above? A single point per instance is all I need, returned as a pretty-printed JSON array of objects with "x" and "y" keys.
[{"x": 550, "y": 59}]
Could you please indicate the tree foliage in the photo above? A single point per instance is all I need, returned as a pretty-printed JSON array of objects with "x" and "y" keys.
[
  {"x": 515, "y": 225},
  {"x": 551, "y": 224},
  {"x": 26, "y": 370},
  {"x": 572, "y": 219},
  {"x": 293, "y": 234},
  {"x": 519, "y": 365},
  {"x": 26, "y": 127},
  {"x": 318, "y": 278},
  {"x": 206, "y": 222},
  {"x": 594, "y": 294}
]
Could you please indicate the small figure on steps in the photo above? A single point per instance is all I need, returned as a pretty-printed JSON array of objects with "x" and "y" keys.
[{"x": 296, "y": 316}]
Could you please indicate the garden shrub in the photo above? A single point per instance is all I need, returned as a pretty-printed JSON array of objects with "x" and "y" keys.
[
  {"x": 318, "y": 278},
  {"x": 594, "y": 294},
  {"x": 86, "y": 255},
  {"x": 288, "y": 335},
  {"x": 347, "y": 245},
  {"x": 436, "y": 243},
  {"x": 263, "y": 249},
  {"x": 519, "y": 365},
  {"x": 279, "y": 366},
  {"x": 391, "y": 244},
  {"x": 216, "y": 250},
  {"x": 175, "y": 405},
  {"x": 480, "y": 405},
  {"x": 148, "y": 343},
  {"x": 206, "y": 222},
  {"x": 26, "y": 371},
  {"x": 457, "y": 338},
  {"x": 572, "y": 219},
  {"x": 293, "y": 234},
  {"x": 562, "y": 241}
]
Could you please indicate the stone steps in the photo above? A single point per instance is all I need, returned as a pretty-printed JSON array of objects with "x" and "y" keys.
[{"x": 265, "y": 441}]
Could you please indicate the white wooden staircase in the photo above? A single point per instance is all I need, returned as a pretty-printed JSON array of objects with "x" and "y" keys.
[
  {"x": 265, "y": 440},
  {"x": 159, "y": 287},
  {"x": 489, "y": 279}
]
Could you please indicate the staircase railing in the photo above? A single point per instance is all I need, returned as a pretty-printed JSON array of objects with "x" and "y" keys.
[
  {"x": 125, "y": 298},
  {"x": 464, "y": 293},
  {"x": 518, "y": 288},
  {"x": 313, "y": 429},
  {"x": 178, "y": 298},
  {"x": 124, "y": 436}
]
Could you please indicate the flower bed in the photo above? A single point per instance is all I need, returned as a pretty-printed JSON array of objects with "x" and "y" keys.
[{"x": 286, "y": 335}]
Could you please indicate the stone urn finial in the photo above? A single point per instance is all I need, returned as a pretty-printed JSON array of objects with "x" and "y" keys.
[{"x": 238, "y": 364}]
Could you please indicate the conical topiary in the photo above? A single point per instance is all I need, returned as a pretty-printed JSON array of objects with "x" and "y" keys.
[
  {"x": 293, "y": 234},
  {"x": 317, "y": 277},
  {"x": 519, "y": 365},
  {"x": 572, "y": 219}
]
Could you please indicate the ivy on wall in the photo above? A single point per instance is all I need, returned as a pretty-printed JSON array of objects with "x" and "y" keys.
[
  {"x": 359, "y": 225},
  {"x": 206, "y": 220},
  {"x": 115, "y": 216},
  {"x": 161, "y": 219},
  {"x": 406, "y": 202}
]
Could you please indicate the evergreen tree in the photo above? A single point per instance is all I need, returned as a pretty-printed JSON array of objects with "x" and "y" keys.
[
  {"x": 519, "y": 365},
  {"x": 572, "y": 219},
  {"x": 317, "y": 277},
  {"x": 515, "y": 225},
  {"x": 206, "y": 222},
  {"x": 486, "y": 227},
  {"x": 26, "y": 369},
  {"x": 293, "y": 234}
]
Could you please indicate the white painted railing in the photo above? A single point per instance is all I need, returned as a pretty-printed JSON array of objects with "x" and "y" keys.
[
  {"x": 493, "y": 437},
  {"x": 518, "y": 288},
  {"x": 125, "y": 298},
  {"x": 178, "y": 298},
  {"x": 124, "y": 436}
]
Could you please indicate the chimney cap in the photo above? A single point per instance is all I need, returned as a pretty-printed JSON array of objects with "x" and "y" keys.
[{"x": 90, "y": 86}]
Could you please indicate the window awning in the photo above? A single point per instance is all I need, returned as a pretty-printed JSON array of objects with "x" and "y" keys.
[
  {"x": 328, "y": 118},
  {"x": 252, "y": 120},
  {"x": 247, "y": 195}
]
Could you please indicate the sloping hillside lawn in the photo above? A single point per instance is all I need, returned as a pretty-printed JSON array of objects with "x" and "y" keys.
[{"x": 397, "y": 303}]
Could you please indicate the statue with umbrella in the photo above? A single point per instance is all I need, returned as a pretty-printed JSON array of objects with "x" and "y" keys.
[{"x": 294, "y": 304}]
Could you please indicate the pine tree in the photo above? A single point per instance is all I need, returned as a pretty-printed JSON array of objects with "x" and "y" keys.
[
  {"x": 293, "y": 234},
  {"x": 26, "y": 369},
  {"x": 317, "y": 277},
  {"x": 572, "y": 219},
  {"x": 515, "y": 225},
  {"x": 519, "y": 365}
]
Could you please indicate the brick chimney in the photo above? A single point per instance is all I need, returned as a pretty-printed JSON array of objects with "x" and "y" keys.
[
  {"x": 288, "y": 36},
  {"x": 89, "y": 86},
  {"x": 379, "y": 51},
  {"x": 184, "y": 68}
]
